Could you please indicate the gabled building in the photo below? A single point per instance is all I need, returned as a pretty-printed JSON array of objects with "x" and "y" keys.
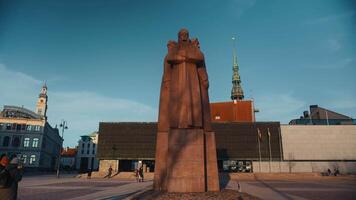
[
  {"x": 86, "y": 155},
  {"x": 29, "y": 135}
]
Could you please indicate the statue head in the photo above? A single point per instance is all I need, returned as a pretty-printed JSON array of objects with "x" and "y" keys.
[{"x": 183, "y": 35}]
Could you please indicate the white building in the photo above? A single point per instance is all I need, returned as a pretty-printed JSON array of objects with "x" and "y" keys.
[{"x": 86, "y": 155}]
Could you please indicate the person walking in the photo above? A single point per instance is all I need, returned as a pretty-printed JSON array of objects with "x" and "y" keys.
[
  {"x": 137, "y": 175},
  {"x": 109, "y": 172},
  {"x": 140, "y": 171},
  {"x": 89, "y": 173},
  {"x": 14, "y": 174}
]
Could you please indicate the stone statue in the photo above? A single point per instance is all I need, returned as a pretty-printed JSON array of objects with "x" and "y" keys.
[
  {"x": 184, "y": 101},
  {"x": 185, "y": 145}
]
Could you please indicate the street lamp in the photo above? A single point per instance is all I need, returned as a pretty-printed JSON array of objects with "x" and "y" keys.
[{"x": 63, "y": 125}]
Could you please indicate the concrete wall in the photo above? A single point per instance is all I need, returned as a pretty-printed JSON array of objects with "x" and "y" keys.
[
  {"x": 319, "y": 143},
  {"x": 304, "y": 166},
  {"x": 104, "y": 165}
]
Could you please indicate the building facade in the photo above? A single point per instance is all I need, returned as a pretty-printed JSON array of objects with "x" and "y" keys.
[
  {"x": 241, "y": 147},
  {"x": 86, "y": 155},
  {"x": 28, "y": 135},
  {"x": 69, "y": 158},
  {"x": 125, "y": 144}
]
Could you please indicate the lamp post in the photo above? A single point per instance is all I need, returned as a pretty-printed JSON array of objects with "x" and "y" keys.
[{"x": 63, "y": 125}]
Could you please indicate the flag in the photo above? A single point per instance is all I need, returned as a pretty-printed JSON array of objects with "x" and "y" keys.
[
  {"x": 259, "y": 134},
  {"x": 269, "y": 134}
]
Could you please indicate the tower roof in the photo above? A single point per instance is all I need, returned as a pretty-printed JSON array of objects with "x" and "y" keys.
[{"x": 236, "y": 91}]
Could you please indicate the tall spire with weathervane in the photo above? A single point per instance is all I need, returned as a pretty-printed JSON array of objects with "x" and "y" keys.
[{"x": 236, "y": 91}]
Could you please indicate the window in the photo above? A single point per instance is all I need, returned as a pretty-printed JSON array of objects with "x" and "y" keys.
[
  {"x": 18, "y": 127},
  {"x": 83, "y": 145},
  {"x": 8, "y": 126},
  {"x": 82, "y": 151},
  {"x": 35, "y": 142},
  {"x": 26, "y": 142},
  {"x": 32, "y": 159},
  {"x": 29, "y": 128},
  {"x": 88, "y": 145},
  {"x": 6, "y": 141},
  {"x": 93, "y": 145},
  {"x": 88, "y": 151},
  {"x": 23, "y": 127},
  {"x": 2, "y": 126},
  {"x": 37, "y": 128},
  {"x": 24, "y": 159},
  {"x": 16, "y": 141},
  {"x": 93, "y": 152}
]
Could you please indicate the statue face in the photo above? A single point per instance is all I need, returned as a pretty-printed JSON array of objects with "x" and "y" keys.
[{"x": 183, "y": 35}]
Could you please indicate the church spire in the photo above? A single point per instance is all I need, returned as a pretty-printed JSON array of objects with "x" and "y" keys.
[{"x": 236, "y": 91}]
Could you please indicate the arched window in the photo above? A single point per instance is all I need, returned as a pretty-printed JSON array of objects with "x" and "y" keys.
[{"x": 6, "y": 141}]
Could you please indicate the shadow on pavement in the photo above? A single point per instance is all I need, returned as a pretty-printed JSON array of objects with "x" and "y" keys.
[
  {"x": 273, "y": 189},
  {"x": 224, "y": 179}
]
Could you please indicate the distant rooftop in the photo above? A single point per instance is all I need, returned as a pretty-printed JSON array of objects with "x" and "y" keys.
[{"x": 18, "y": 112}]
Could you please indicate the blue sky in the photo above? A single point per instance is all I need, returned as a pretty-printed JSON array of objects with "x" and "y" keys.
[{"x": 102, "y": 60}]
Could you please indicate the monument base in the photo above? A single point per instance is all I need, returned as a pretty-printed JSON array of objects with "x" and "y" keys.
[{"x": 186, "y": 161}]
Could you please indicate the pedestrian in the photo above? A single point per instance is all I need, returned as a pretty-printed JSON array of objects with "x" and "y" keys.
[
  {"x": 109, "y": 172},
  {"x": 140, "y": 171},
  {"x": 329, "y": 172},
  {"x": 89, "y": 173},
  {"x": 4, "y": 174},
  {"x": 137, "y": 175},
  {"x": 336, "y": 172},
  {"x": 9, "y": 192}
]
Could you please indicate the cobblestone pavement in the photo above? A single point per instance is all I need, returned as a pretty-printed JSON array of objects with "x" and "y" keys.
[
  {"x": 298, "y": 189},
  {"x": 49, "y": 187}
]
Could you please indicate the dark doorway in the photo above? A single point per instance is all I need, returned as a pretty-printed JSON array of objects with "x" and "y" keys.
[
  {"x": 125, "y": 166},
  {"x": 84, "y": 164}
]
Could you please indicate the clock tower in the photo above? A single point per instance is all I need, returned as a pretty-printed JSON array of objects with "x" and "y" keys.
[{"x": 41, "y": 107}]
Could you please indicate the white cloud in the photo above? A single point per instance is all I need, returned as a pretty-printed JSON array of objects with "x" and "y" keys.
[
  {"x": 342, "y": 63},
  {"x": 83, "y": 110},
  {"x": 331, "y": 18},
  {"x": 279, "y": 107}
]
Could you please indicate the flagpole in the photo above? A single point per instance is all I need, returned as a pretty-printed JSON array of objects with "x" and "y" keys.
[
  {"x": 259, "y": 146},
  {"x": 280, "y": 148},
  {"x": 270, "y": 152},
  {"x": 327, "y": 117}
]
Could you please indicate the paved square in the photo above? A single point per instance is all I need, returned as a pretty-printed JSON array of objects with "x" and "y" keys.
[{"x": 68, "y": 187}]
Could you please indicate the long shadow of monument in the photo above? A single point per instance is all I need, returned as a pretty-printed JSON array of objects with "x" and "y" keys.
[{"x": 224, "y": 177}]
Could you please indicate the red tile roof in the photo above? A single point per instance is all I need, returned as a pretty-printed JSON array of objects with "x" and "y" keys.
[{"x": 69, "y": 152}]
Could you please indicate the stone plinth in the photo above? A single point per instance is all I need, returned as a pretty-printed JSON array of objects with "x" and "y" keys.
[{"x": 186, "y": 161}]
